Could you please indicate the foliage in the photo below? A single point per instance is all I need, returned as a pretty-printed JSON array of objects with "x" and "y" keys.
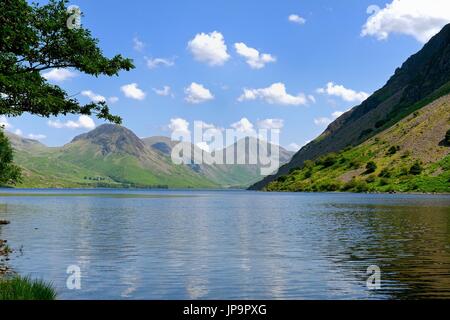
[
  {"x": 416, "y": 169},
  {"x": 393, "y": 150},
  {"x": 328, "y": 160},
  {"x": 36, "y": 38},
  {"x": 23, "y": 288},
  {"x": 371, "y": 167},
  {"x": 9, "y": 173}
]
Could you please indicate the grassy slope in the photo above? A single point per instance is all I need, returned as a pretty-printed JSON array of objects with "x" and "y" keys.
[
  {"x": 58, "y": 168},
  {"x": 417, "y": 138}
]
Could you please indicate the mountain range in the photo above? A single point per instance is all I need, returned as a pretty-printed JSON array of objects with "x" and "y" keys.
[
  {"x": 113, "y": 156},
  {"x": 411, "y": 114}
]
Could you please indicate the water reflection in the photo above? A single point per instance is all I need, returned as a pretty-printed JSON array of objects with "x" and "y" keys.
[{"x": 234, "y": 245}]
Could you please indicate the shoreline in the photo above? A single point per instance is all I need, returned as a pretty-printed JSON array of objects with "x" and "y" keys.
[
  {"x": 219, "y": 189},
  {"x": 5, "y": 250}
]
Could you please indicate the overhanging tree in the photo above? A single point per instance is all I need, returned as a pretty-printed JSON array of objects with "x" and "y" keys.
[
  {"x": 36, "y": 38},
  {"x": 9, "y": 173}
]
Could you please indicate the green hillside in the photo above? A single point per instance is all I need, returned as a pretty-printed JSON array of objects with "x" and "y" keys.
[{"x": 411, "y": 156}]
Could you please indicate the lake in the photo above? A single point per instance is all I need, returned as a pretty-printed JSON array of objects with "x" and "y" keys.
[{"x": 184, "y": 244}]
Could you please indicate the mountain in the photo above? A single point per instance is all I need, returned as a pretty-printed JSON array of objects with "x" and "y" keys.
[
  {"x": 233, "y": 175},
  {"x": 113, "y": 156},
  {"x": 411, "y": 156},
  {"x": 423, "y": 78}
]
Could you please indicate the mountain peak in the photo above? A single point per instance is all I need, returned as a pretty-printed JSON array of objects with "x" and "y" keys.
[{"x": 113, "y": 138}]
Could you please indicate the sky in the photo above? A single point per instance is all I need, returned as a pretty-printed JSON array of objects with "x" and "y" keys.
[{"x": 295, "y": 65}]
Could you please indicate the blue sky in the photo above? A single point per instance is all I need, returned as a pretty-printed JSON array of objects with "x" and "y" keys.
[{"x": 172, "y": 44}]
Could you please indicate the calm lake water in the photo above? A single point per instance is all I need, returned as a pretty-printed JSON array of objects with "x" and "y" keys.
[{"x": 230, "y": 244}]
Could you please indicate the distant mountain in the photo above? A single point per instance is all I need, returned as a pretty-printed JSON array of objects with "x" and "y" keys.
[
  {"x": 113, "y": 156},
  {"x": 226, "y": 175},
  {"x": 423, "y": 78}
]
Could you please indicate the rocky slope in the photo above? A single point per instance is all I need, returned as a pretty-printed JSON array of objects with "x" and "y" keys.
[{"x": 411, "y": 156}]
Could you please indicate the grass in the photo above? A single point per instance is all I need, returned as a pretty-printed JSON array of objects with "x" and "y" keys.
[{"x": 23, "y": 288}]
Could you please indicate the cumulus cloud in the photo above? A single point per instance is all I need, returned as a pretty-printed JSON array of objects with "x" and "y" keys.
[
  {"x": 83, "y": 122},
  {"x": 254, "y": 58},
  {"x": 113, "y": 100},
  {"x": 5, "y": 123},
  {"x": 293, "y": 147},
  {"x": 244, "y": 126},
  {"x": 59, "y": 75},
  {"x": 420, "y": 19},
  {"x": 337, "y": 114},
  {"x": 197, "y": 93},
  {"x": 209, "y": 48},
  {"x": 138, "y": 45},
  {"x": 344, "y": 93},
  {"x": 159, "y": 62},
  {"x": 208, "y": 128},
  {"x": 322, "y": 121},
  {"x": 203, "y": 146},
  {"x": 275, "y": 94},
  {"x": 93, "y": 96},
  {"x": 295, "y": 18},
  {"x": 165, "y": 91},
  {"x": 312, "y": 98},
  {"x": 37, "y": 136},
  {"x": 179, "y": 126},
  {"x": 269, "y": 124},
  {"x": 132, "y": 91}
]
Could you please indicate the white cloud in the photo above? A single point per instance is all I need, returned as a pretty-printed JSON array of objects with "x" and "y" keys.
[
  {"x": 37, "y": 136},
  {"x": 210, "y": 129},
  {"x": 255, "y": 59},
  {"x": 275, "y": 94},
  {"x": 244, "y": 126},
  {"x": 18, "y": 132},
  {"x": 113, "y": 100},
  {"x": 4, "y": 123},
  {"x": 312, "y": 98},
  {"x": 344, "y": 93},
  {"x": 209, "y": 48},
  {"x": 323, "y": 121},
  {"x": 197, "y": 93},
  {"x": 293, "y": 147},
  {"x": 59, "y": 75},
  {"x": 165, "y": 91},
  {"x": 138, "y": 45},
  {"x": 93, "y": 96},
  {"x": 203, "y": 146},
  {"x": 269, "y": 124},
  {"x": 420, "y": 19},
  {"x": 132, "y": 91},
  {"x": 159, "y": 62},
  {"x": 337, "y": 114},
  {"x": 295, "y": 18},
  {"x": 83, "y": 122},
  {"x": 179, "y": 126}
]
